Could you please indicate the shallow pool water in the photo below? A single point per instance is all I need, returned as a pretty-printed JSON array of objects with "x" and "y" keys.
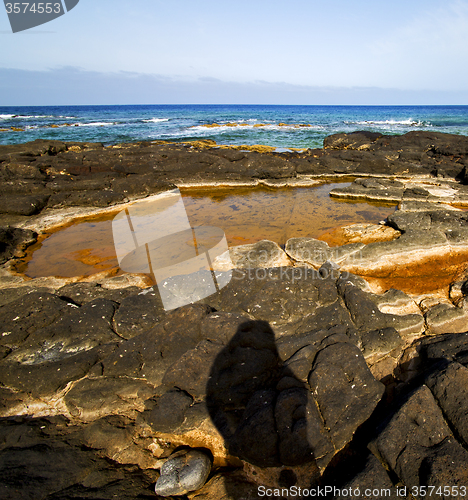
[{"x": 245, "y": 215}]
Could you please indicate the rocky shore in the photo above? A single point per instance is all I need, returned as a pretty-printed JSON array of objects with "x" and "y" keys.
[{"x": 339, "y": 364}]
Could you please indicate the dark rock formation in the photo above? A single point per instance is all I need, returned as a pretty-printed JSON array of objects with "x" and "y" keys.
[
  {"x": 46, "y": 458},
  {"x": 280, "y": 374},
  {"x": 371, "y": 479},
  {"x": 84, "y": 174},
  {"x": 303, "y": 386},
  {"x": 13, "y": 242}
]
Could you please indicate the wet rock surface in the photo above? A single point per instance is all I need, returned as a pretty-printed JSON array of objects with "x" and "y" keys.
[{"x": 288, "y": 376}]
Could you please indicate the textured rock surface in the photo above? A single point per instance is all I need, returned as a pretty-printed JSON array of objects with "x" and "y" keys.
[
  {"x": 280, "y": 375},
  {"x": 13, "y": 241},
  {"x": 445, "y": 318},
  {"x": 168, "y": 377},
  {"x": 59, "y": 174},
  {"x": 264, "y": 254},
  {"x": 46, "y": 458},
  {"x": 371, "y": 478}
]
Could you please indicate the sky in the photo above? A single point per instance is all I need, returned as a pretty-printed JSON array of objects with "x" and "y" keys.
[{"x": 240, "y": 52}]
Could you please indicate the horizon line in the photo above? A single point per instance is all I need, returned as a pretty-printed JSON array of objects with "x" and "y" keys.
[{"x": 231, "y": 104}]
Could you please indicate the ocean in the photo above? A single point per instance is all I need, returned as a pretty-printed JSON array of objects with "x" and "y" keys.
[{"x": 277, "y": 126}]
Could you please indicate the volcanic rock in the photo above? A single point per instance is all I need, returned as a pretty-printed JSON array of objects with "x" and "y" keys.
[
  {"x": 416, "y": 441},
  {"x": 373, "y": 477},
  {"x": 449, "y": 386},
  {"x": 276, "y": 372},
  {"x": 13, "y": 241}
]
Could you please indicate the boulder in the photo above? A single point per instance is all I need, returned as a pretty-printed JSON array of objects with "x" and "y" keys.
[
  {"x": 93, "y": 398},
  {"x": 316, "y": 252},
  {"x": 82, "y": 293},
  {"x": 148, "y": 355},
  {"x": 271, "y": 415},
  {"x": 354, "y": 140},
  {"x": 450, "y": 347},
  {"x": 29, "y": 313},
  {"x": 378, "y": 343},
  {"x": 345, "y": 390},
  {"x": 184, "y": 471},
  {"x": 445, "y": 465},
  {"x": 45, "y": 381},
  {"x": 169, "y": 411},
  {"x": 46, "y": 457},
  {"x": 367, "y": 316}
]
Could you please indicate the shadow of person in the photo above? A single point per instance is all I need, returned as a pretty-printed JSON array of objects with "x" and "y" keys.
[{"x": 266, "y": 415}]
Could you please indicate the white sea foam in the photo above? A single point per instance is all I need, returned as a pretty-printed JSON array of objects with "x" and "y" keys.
[
  {"x": 29, "y": 117},
  {"x": 243, "y": 125},
  {"x": 252, "y": 120},
  {"x": 93, "y": 124},
  {"x": 408, "y": 123},
  {"x": 6, "y": 117},
  {"x": 156, "y": 120}
]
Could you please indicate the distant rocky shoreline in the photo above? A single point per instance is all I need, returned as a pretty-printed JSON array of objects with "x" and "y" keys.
[{"x": 306, "y": 370}]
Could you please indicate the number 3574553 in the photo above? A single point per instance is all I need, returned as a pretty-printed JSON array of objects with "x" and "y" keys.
[{"x": 36, "y": 8}]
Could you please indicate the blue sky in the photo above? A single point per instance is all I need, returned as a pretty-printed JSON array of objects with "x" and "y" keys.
[{"x": 256, "y": 51}]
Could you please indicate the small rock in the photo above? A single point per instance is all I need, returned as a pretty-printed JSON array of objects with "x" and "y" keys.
[
  {"x": 184, "y": 471},
  {"x": 445, "y": 318},
  {"x": 457, "y": 290}
]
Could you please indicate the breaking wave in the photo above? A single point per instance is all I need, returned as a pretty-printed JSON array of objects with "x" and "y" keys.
[
  {"x": 406, "y": 123},
  {"x": 156, "y": 120}
]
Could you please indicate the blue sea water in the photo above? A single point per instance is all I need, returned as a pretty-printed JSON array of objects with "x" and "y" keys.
[{"x": 278, "y": 126}]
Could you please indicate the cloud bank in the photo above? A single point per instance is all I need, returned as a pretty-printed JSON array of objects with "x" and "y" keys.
[{"x": 74, "y": 86}]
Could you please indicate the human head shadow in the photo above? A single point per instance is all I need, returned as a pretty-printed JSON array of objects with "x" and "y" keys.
[{"x": 260, "y": 408}]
